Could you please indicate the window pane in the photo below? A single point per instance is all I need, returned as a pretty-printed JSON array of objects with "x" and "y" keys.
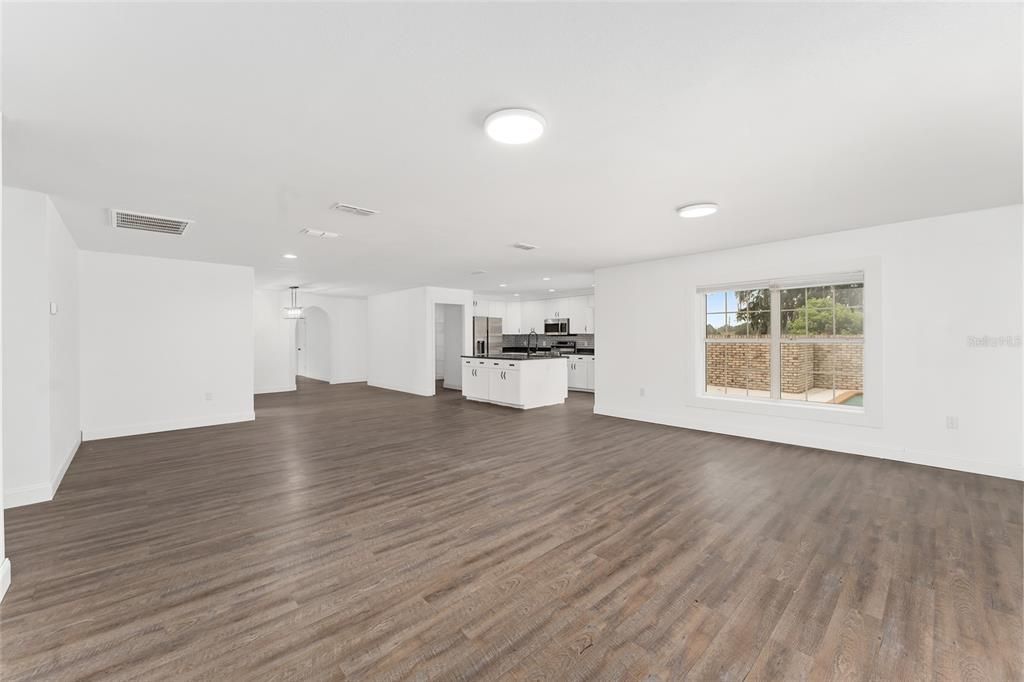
[
  {"x": 819, "y": 321},
  {"x": 714, "y": 367},
  {"x": 755, "y": 323},
  {"x": 850, "y": 294},
  {"x": 730, "y": 302},
  {"x": 792, "y": 299},
  {"x": 759, "y": 380},
  {"x": 753, "y": 299},
  {"x": 825, "y": 373},
  {"x": 797, "y": 369},
  {"x": 715, "y": 302},
  {"x": 794, "y": 322},
  {"x": 717, "y": 325},
  {"x": 819, "y": 297},
  {"x": 849, "y": 321}
]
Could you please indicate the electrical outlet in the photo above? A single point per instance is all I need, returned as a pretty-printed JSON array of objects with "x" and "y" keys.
[
  {"x": 209, "y": 396},
  {"x": 952, "y": 423}
]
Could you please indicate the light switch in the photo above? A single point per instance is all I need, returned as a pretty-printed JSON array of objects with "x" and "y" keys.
[{"x": 53, "y": 308}]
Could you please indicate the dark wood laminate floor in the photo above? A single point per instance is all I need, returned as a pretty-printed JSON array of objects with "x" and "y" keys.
[{"x": 356, "y": 533}]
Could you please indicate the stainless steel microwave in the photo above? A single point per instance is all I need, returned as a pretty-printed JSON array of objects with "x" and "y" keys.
[{"x": 557, "y": 327}]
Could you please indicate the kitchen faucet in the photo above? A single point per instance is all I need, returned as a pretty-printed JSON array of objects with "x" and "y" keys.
[{"x": 536, "y": 347}]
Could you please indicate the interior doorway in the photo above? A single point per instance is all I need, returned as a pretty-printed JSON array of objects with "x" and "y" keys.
[
  {"x": 313, "y": 344},
  {"x": 449, "y": 344}
]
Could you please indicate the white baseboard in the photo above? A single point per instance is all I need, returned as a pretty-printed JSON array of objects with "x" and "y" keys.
[
  {"x": 275, "y": 389},
  {"x": 866, "y": 449},
  {"x": 27, "y": 494},
  {"x": 5, "y": 576},
  {"x": 95, "y": 433},
  {"x": 348, "y": 380},
  {"x": 59, "y": 474},
  {"x": 40, "y": 492},
  {"x": 400, "y": 389},
  {"x": 451, "y": 387}
]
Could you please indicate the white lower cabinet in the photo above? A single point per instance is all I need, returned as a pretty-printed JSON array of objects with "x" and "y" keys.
[
  {"x": 514, "y": 383},
  {"x": 581, "y": 372},
  {"x": 505, "y": 386},
  {"x": 476, "y": 379}
]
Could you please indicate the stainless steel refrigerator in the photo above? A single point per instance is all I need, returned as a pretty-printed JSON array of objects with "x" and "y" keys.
[{"x": 486, "y": 335}]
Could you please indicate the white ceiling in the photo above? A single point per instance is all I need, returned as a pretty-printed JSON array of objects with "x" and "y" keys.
[{"x": 252, "y": 119}]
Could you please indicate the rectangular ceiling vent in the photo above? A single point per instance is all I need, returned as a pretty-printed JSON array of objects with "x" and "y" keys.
[
  {"x": 523, "y": 246},
  {"x": 320, "y": 234},
  {"x": 354, "y": 210},
  {"x": 149, "y": 223}
]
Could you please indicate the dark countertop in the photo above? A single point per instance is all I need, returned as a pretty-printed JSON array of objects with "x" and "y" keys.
[
  {"x": 514, "y": 356},
  {"x": 565, "y": 351}
]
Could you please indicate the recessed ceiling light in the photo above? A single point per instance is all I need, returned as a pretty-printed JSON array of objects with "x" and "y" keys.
[
  {"x": 514, "y": 126},
  {"x": 288, "y": 255},
  {"x": 515, "y": 294},
  {"x": 697, "y": 210},
  {"x": 551, "y": 291},
  {"x": 502, "y": 285},
  {"x": 546, "y": 279}
]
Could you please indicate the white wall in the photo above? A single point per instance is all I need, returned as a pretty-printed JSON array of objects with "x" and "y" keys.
[
  {"x": 41, "y": 415},
  {"x": 401, "y": 337},
  {"x": 26, "y": 347},
  {"x": 165, "y": 344},
  {"x": 65, "y": 389},
  {"x": 273, "y": 350},
  {"x": 931, "y": 284},
  {"x": 5, "y": 564},
  {"x": 275, "y": 341}
]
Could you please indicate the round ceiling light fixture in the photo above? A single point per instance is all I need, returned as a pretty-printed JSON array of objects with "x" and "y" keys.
[
  {"x": 697, "y": 210},
  {"x": 514, "y": 126},
  {"x": 289, "y": 256}
]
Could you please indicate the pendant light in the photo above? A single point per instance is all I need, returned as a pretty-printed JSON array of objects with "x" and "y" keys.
[{"x": 294, "y": 311}]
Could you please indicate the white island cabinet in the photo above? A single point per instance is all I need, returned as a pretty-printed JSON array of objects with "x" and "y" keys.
[{"x": 523, "y": 383}]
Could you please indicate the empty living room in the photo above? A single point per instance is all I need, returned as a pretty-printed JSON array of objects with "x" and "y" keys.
[{"x": 301, "y": 376}]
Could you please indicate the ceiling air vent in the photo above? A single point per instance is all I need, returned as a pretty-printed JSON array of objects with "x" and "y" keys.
[
  {"x": 523, "y": 246},
  {"x": 354, "y": 210},
  {"x": 149, "y": 223},
  {"x": 321, "y": 234}
]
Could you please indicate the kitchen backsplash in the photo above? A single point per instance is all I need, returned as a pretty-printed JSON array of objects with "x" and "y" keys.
[{"x": 544, "y": 341}]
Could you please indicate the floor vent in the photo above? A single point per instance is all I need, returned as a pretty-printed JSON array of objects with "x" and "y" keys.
[
  {"x": 354, "y": 210},
  {"x": 149, "y": 223}
]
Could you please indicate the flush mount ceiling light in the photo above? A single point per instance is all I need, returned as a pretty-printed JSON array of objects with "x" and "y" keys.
[
  {"x": 294, "y": 311},
  {"x": 514, "y": 126},
  {"x": 546, "y": 279},
  {"x": 697, "y": 210},
  {"x": 502, "y": 285},
  {"x": 551, "y": 291},
  {"x": 515, "y": 294},
  {"x": 289, "y": 256}
]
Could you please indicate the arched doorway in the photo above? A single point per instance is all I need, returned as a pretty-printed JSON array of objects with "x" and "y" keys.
[{"x": 313, "y": 344}]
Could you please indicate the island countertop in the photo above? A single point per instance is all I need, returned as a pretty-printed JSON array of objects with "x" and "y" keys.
[{"x": 514, "y": 356}]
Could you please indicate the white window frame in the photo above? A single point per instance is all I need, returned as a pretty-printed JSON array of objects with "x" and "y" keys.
[{"x": 868, "y": 415}]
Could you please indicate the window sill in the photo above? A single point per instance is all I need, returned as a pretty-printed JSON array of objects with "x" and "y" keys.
[{"x": 836, "y": 414}]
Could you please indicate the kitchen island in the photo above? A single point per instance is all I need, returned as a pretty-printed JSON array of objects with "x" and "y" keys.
[{"x": 514, "y": 380}]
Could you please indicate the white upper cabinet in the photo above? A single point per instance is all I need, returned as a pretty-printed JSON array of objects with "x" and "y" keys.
[
  {"x": 581, "y": 315},
  {"x": 533, "y": 317},
  {"x": 512, "y": 323},
  {"x": 526, "y": 316}
]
